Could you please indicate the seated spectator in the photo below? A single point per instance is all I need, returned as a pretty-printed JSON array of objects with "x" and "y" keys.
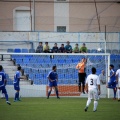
[
  {"x": 39, "y": 48},
  {"x": 62, "y": 49},
  {"x": 55, "y": 48},
  {"x": 76, "y": 48},
  {"x": 102, "y": 77},
  {"x": 46, "y": 48},
  {"x": 83, "y": 49},
  {"x": 68, "y": 48}
]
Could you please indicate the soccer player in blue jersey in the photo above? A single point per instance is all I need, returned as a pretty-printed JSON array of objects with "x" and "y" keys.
[
  {"x": 16, "y": 82},
  {"x": 2, "y": 84},
  {"x": 53, "y": 79},
  {"x": 112, "y": 82}
]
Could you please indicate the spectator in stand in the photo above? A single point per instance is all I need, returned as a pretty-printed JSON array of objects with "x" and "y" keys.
[
  {"x": 83, "y": 49},
  {"x": 62, "y": 49},
  {"x": 76, "y": 49},
  {"x": 68, "y": 48},
  {"x": 55, "y": 48},
  {"x": 46, "y": 48},
  {"x": 39, "y": 48}
]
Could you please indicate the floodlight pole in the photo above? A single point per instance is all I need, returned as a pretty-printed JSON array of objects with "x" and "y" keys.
[
  {"x": 33, "y": 15},
  {"x": 30, "y": 16},
  {"x": 105, "y": 39}
]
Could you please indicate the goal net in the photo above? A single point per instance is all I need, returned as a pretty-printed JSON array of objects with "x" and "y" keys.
[{"x": 36, "y": 67}]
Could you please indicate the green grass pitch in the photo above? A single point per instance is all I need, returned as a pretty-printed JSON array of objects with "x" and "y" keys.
[{"x": 59, "y": 109}]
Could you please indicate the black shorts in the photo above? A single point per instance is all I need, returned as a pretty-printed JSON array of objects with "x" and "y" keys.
[{"x": 81, "y": 77}]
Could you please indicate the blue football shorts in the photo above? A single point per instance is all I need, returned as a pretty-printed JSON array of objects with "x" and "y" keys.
[
  {"x": 53, "y": 84},
  {"x": 112, "y": 84},
  {"x": 3, "y": 89},
  {"x": 16, "y": 87}
]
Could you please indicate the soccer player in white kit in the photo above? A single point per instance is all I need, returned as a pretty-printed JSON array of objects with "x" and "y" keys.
[
  {"x": 118, "y": 81},
  {"x": 93, "y": 89}
]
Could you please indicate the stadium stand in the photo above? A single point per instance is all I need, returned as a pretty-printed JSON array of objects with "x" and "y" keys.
[
  {"x": 17, "y": 50},
  {"x": 37, "y": 64},
  {"x": 108, "y": 51},
  {"x": 93, "y": 51},
  {"x": 114, "y": 51},
  {"x": 33, "y": 67},
  {"x": 10, "y": 50},
  {"x": 31, "y": 50},
  {"x": 24, "y": 50},
  {"x": 88, "y": 50}
]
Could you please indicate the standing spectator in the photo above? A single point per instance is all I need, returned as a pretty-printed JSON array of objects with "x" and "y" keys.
[
  {"x": 55, "y": 48},
  {"x": 39, "y": 48},
  {"x": 2, "y": 84},
  {"x": 102, "y": 77},
  {"x": 68, "y": 48},
  {"x": 46, "y": 48},
  {"x": 83, "y": 49},
  {"x": 76, "y": 48},
  {"x": 62, "y": 49},
  {"x": 93, "y": 89},
  {"x": 81, "y": 74}
]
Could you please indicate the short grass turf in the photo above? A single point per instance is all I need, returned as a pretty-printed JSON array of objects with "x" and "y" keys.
[{"x": 58, "y": 109}]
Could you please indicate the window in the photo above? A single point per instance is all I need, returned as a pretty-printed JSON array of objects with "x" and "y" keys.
[
  {"x": 61, "y": 28},
  {"x": 22, "y": 19}
]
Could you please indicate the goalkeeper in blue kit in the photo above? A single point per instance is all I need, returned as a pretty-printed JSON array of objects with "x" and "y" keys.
[{"x": 53, "y": 79}]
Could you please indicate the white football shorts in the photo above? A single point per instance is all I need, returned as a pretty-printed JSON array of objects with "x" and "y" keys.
[
  {"x": 119, "y": 82},
  {"x": 93, "y": 94}
]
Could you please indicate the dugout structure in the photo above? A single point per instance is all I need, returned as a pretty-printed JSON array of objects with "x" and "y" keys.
[{"x": 37, "y": 65}]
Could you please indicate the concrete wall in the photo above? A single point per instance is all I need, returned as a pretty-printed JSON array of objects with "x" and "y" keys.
[
  {"x": 77, "y": 17},
  {"x": 40, "y": 91}
]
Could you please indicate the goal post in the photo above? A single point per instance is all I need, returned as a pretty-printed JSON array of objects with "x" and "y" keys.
[{"x": 36, "y": 67}]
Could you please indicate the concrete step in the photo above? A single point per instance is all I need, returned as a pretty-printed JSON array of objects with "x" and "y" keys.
[
  {"x": 11, "y": 77},
  {"x": 5, "y": 57},
  {"x": 24, "y": 82},
  {"x": 6, "y": 62},
  {"x": 10, "y": 67},
  {"x": 10, "y": 74}
]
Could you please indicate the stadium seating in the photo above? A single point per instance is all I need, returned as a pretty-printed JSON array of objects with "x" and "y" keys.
[
  {"x": 10, "y": 50},
  {"x": 93, "y": 51},
  {"x": 114, "y": 51},
  {"x": 61, "y": 61},
  {"x": 88, "y": 50},
  {"x": 38, "y": 67},
  {"x": 31, "y": 50},
  {"x": 108, "y": 51},
  {"x": 24, "y": 50},
  {"x": 17, "y": 50}
]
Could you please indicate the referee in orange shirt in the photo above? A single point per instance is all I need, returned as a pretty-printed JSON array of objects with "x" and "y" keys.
[{"x": 81, "y": 74}]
